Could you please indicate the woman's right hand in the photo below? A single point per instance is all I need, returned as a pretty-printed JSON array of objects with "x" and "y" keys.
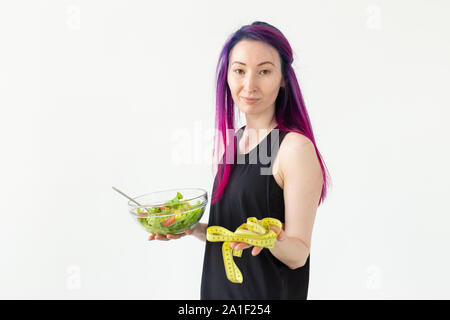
[
  {"x": 197, "y": 231},
  {"x": 169, "y": 236}
]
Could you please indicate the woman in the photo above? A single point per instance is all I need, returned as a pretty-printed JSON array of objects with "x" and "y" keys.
[{"x": 255, "y": 63}]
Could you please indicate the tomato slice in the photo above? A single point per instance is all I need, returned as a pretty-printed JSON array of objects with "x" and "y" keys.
[{"x": 169, "y": 221}]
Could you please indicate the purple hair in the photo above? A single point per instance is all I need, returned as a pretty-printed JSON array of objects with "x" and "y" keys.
[{"x": 290, "y": 110}]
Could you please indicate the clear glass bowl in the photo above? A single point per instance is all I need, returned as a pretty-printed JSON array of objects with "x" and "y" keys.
[{"x": 169, "y": 211}]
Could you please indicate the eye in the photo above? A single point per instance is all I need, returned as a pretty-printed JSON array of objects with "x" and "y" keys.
[{"x": 268, "y": 71}]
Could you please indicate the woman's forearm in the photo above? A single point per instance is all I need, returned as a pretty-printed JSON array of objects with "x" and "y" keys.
[
  {"x": 291, "y": 251},
  {"x": 199, "y": 231}
]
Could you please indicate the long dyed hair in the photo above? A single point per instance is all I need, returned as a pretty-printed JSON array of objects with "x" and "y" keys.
[{"x": 290, "y": 110}]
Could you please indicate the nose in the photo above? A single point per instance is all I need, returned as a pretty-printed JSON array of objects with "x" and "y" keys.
[{"x": 250, "y": 84}]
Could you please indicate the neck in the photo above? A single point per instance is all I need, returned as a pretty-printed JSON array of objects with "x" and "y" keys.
[{"x": 260, "y": 122}]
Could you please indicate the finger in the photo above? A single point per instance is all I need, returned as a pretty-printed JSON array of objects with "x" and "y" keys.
[
  {"x": 275, "y": 229},
  {"x": 281, "y": 236},
  {"x": 161, "y": 237},
  {"x": 256, "y": 251},
  {"x": 174, "y": 236},
  {"x": 279, "y": 232},
  {"x": 235, "y": 245},
  {"x": 242, "y": 246}
]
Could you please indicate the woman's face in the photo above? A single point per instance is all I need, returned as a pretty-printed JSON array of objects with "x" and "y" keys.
[{"x": 248, "y": 78}]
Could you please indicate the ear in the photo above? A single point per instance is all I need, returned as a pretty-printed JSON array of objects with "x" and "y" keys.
[{"x": 283, "y": 85}]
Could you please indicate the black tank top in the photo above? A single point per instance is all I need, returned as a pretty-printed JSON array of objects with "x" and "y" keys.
[{"x": 249, "y": 193}]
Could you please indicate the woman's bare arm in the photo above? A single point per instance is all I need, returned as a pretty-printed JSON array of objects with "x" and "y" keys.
[{"x": 199, "y": 231}]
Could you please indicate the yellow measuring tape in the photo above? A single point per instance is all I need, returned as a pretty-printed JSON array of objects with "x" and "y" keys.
[{"x": 255, "y": 232}]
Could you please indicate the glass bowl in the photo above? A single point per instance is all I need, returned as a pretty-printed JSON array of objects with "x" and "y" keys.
[{"x": 169, "y": 211}]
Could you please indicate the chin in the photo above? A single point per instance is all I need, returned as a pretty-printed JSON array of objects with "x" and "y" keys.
[{"x": 247, "y": 110}]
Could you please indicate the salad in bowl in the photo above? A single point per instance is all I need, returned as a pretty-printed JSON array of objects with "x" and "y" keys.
[{"x": 169, "y": 211}]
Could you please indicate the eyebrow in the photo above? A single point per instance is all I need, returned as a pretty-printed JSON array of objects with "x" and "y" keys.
[{"x": 258, "y": 64}]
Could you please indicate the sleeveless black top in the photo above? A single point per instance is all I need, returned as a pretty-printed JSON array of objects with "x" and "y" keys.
[{"x": 251, "y": 192}]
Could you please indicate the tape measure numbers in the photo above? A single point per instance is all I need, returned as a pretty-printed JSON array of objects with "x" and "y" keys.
[{"x": 255, "y": 232}]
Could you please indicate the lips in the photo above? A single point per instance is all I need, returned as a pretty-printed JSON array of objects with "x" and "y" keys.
[{"x": 249, "y": 100}]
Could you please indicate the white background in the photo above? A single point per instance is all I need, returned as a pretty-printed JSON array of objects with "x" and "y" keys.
[{"x": 95, "y": 94}]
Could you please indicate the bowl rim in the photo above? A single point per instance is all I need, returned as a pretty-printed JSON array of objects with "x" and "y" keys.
[
  {"x": 169, "y": 214},
  {"x": 132, "y": 205}
]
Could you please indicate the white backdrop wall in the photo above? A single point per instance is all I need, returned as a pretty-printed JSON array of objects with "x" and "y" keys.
[{"x": 95, "y": 94}]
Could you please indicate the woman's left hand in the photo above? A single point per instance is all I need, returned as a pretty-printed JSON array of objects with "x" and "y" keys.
[{"x": 256, "y": 250}]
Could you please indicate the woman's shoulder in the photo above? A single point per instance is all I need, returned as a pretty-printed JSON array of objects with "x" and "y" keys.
[
  {"x": 293, "y": 139},
  {"x": 296, "y": 150}
]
